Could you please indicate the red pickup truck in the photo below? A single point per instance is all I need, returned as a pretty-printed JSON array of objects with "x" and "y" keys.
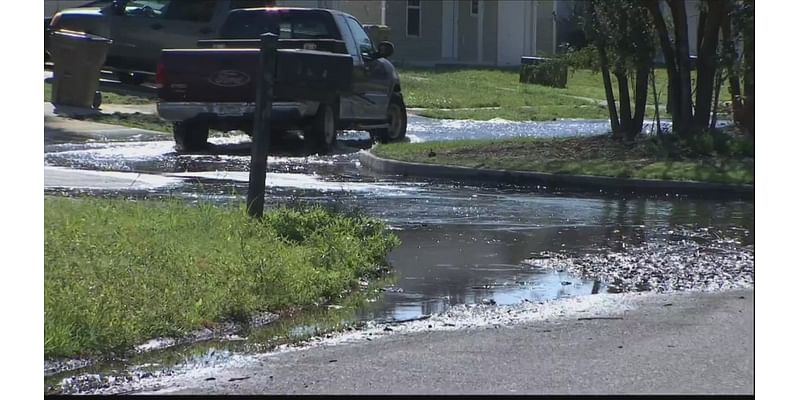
[{"x": 216, "y": 87}]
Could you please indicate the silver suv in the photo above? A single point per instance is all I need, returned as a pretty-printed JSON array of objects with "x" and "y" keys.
[{"x": 141, "y": 29}]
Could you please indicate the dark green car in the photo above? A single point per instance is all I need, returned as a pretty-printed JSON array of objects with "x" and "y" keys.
[{"x": 141, "y": 29}]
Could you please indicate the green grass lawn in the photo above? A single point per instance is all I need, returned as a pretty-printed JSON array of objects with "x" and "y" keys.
[
  {"x": 599, "y": 156},
  {"x": 109, "y": 97},
  {"x": 136, "y": 120},
  {"x": 441, "y": 91},
  {"x": 119, "y": 272}
]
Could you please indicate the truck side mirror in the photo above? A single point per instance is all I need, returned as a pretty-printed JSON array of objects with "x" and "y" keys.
[{"x": 385, "y": 49}]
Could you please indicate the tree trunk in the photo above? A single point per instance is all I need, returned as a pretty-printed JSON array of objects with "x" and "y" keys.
[
  {"x": 717, "y": 88},
  {"x": 707, "y": 65},
  {"x": 682, "y": 123},
  {"x": 640, "y": 100},
  {"x": 612, "y": 105},
  {"x": 750, "y": 89},
  {"x": 655, "y": 101},
  {"x": 701, "y": 27},
  {"x": 624, "y": 103},
  {"x": 673, "y": 84},
  {"x": 730, "y": 55},
  {"x": 750, "y": 80}
]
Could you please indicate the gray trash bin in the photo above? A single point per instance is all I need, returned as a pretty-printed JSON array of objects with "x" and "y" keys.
[
  {"x": 77, "y": 59},
  {"x": 530, "y": 60}
]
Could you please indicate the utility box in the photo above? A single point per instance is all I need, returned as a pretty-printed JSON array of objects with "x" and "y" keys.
[
  {"x": 543, "y": 71},
  {"x": 77, "y": 58}
]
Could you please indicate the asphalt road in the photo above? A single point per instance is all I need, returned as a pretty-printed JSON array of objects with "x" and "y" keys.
[{"x": 691, "y": 343}]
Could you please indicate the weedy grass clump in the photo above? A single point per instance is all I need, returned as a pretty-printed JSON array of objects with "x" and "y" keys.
[
  {"x": 731, "y": 162},
  {"x": 120, "y": 272}
]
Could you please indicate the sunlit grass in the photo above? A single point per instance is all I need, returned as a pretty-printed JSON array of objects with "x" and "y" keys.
[
  {"x": 598, "y": 156},
  {"x": 119, "y": 272}
]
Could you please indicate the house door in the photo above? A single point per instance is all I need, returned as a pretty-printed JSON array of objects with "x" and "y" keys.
[
  {"x": 510, "y": 31},
  {"x": 449, "y": 30}
]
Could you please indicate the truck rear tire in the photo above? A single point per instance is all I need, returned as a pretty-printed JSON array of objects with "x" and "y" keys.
[
  {"x": 321, "y": 137},
  {"x": 190, "y": 135},
  {"x": 397, "y": 119}
]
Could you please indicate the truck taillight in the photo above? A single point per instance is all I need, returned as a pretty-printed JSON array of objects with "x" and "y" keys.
[{"x": 161, "y": 75}]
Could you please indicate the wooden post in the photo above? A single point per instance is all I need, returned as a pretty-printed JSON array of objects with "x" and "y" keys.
[{"x": 261, "y": 129}]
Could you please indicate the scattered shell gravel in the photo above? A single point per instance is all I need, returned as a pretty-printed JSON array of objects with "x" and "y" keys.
[{"x": 699, "y": 260}]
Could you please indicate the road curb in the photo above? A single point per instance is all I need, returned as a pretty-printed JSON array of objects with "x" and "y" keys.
[{"x": 548, "y": 181}]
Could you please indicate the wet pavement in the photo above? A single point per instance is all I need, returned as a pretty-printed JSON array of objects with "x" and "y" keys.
[{"x": 461, "y": 244}]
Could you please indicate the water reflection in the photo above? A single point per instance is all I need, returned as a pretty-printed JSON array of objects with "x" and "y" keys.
[{"x": 444, "y": 264}]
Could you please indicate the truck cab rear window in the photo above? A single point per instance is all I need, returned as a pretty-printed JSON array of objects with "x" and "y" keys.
[{"x": 250, "y": 24}]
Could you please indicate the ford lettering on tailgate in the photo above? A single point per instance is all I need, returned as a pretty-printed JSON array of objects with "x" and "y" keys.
[{"x": 229, "y": 78}]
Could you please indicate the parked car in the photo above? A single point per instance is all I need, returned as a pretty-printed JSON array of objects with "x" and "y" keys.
[
  {"x": 141, "y": 29},
  {"x": 51, "y": 7},
  {"x": 216, "y": 87}
]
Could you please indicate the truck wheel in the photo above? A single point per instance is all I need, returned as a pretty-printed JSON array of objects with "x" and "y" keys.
[
  {"x": 397, "y": 119},
  {"x": 321, "y": 137},
  {"x": 190, "y": 135}
]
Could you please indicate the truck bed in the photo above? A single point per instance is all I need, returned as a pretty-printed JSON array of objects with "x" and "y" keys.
[{"x": 228, "y": 71}]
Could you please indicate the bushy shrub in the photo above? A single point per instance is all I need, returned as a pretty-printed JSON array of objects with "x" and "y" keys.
[
  {"x": 585, "y": 58},
  {"x": 551, "y": 73}
]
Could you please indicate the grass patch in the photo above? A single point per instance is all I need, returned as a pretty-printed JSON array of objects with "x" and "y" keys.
[
  {"x": 119, "y": 272},
  {"x": 476, "y": 88},
  {"x": 444, "y": 90},
  {"x": 136, "y": 120},
  {"x": 109, "y": 97},
  {"x": 646, "y": 158}
]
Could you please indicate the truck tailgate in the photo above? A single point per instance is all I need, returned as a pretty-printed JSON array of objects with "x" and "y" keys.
[
  {"x": 231, "y": 75},
  {"x": 202, "y": 75}
]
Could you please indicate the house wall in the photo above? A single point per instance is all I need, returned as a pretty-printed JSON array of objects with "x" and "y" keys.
[
  {"x": 537, "y": 37},
  {"x": 511, "y": 32},
  {"x": 423, "y": 50},
  {"x": 365, "y": 11},
  {"x": 565, "y": 22},
  {"x": 490, "y": 43},
  {"x": 544, "y": 27},
  {"x": 298, "y": 3},
  {"x": 468, "y": 33},
  {"x": 692, "y": 21},
  {"x": 449, "y": 31}
]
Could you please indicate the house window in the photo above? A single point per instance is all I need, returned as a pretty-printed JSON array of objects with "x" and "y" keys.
[
  {"x": 413, "y": 18},
  {"x": 474, "y": 7}
]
